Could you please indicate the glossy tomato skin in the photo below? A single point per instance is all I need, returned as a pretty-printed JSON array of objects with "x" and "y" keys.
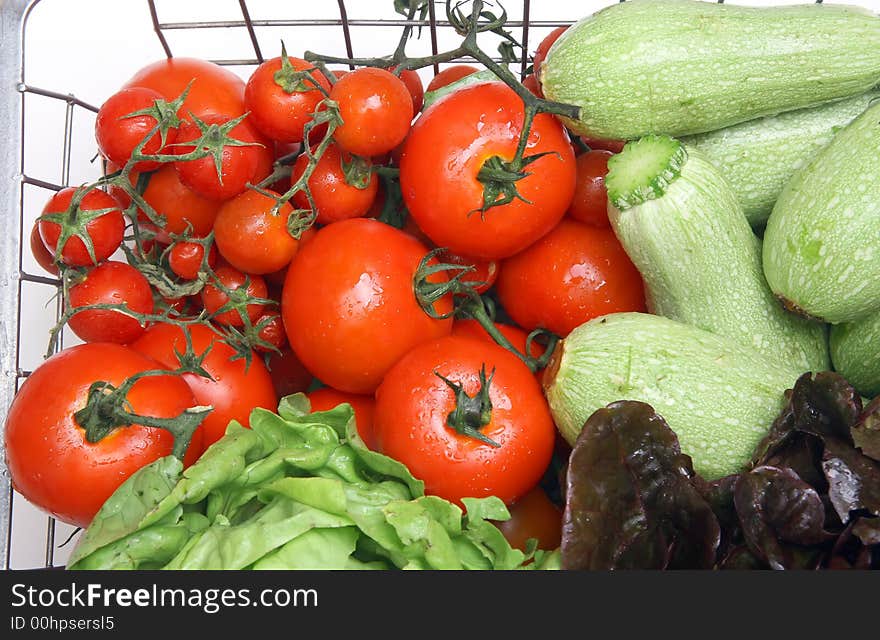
[
  {"x": 348, "y": 303},
  {"x": 118, "y": 135},
  {"x": 50, "y": 461},
  {"x": 327, "y": 398},
  {"x": 288, "y": 374},
  {"x": 416, "y": 89},
  {"x": 214, "y": 298},
  {"x": 376, "y": 109},
  {"x": 110, "y": 283},
  {"x": 185, "y": 259},
  {"x": 450, "y": 75},
  {"x": 533, "y": 516},
  {"x": 482, "y": 277},
  {"x": 234, "y": 390},
  {"x": 239, "y": 165},
  {"x": 516, "y": 336},
  {"x": 272, "y": 331},
  {"x": 334, "y": 198},
  {"x": 214, "y": 89},
  {"x": 573, "y": 274},
  {"x": 250, "y": 237},
  {"x": 180, "y": 205},
  {"x": 590, "y": 201},
  {"x": 106, "y": 230},
  {"x": 410, "y": 422},
  {"x": 444, "y": 153},
  {"x": 275, "y": 112},
  {"x": 40, "y": 253}
]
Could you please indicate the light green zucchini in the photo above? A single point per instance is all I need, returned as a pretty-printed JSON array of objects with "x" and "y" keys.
[
  {"x": 855, "y": 351},
  {"x": 682, "y": 67},
  {"x": 822, "y": 241},
  {"x": 682, "y": 227},
  {"x": 758, "y": 157},
  {"x": 718, "y": 396}
]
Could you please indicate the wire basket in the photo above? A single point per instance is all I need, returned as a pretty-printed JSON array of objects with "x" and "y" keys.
[{"x": 52, "y": 84}]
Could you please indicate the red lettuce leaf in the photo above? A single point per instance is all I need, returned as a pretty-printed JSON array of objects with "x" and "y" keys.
[
  {"x": 866, "y": 432},
  {"x": 853, "y": 479}
]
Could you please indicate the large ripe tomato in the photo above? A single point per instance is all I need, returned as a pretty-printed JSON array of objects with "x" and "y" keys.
[
  {"x": 105, "y": 230},
  {"x": 214, "y": 89},
  {"x": 376, "y": 109},
  {"x": 278, "y": 112},
  {"x": 443, "y": 155},
  {"x": 334, "y": 198},
  {"x": 326, "y": 398},
  {"x": 573, "y": 274},
  {"x": 544, "y": 47},
  {"x": 110, "y": 283},
  {"x": 533, "y": 517},
  {"x": 590, "y": 202},
  {"x": 413, "y": 407},
  {"x": 50, "y": 461},
  {"x": 348, "y": 303},
  {"x": 118, "y": 135},
  {"x": 251, "y": 237},
  {"x": 235, "y": 389},
  {"x": 179, "y": 204}
]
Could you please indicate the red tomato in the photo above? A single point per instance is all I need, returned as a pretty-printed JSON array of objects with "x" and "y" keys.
[
  {"x": 110, "y": 283},
  {"x": 573, "y": 274},
  {"x": 348, "y": 303},
  {"x": 516, "y": 336},
  {"x": 590, "y": 202},
  {"x": 450, "y": 75},
  {"x": 326, "y": 398},
  {"x": 288, "y": 374},
  {"x": 105, "y": 230},
  {"x": 240, "y": 164},
  {"x": 281, "y": 112},
  {"x": 413, "y": 407},
  {"x": 614, "y": 146},
  {"x": 49, "y": 460},
  {"x": 335, "y": 199},
  {"x": 214, "y": 298},
  {"x": 485, "y": 271},
  {"x": 214, "y": 89},
  {"x": 531, "y": 83},
  {"x": 41, "y": 254},
  {"x": 376, "y": 109},
  {"x": 444, "y": 153},
  {"x": 414, "y": 85},
  {"x": 272, "y": 332},
  {"x": 185, "y": 259},
  {"x": 251, "y": 237},
  {"x": 235, "y": 388},
  {"x": 180, "y": 204},
  {"x": 118, "y": 135},
  {"x": 544, "y": 47},
  {"x": 533, "y": 516}
]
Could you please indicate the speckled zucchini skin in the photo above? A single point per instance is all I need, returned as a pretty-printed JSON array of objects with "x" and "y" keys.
[
  {"x": 822, "y": 241},
  {"x": 758, "y": 157},
  {"x": 701, "y": 263},
  {"x": 855, "y": 350},
  {"x": 681, "y": 67},
  {"x": 717, "y": 395}
]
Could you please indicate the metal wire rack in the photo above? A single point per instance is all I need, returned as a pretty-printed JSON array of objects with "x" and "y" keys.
[{"x": 21, "y": 192}]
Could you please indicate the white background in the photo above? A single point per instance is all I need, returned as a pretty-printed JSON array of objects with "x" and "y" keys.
[{"x": 90, "y": 47}]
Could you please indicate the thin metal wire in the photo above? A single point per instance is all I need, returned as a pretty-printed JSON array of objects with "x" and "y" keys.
[
  {"x": 346, "y": 32},
  {"x": 250, "y": 28},
  {"x": 525, "y": 38},
  {"x": 158, "y": 28},
  {"x": 66, "y": 97}
]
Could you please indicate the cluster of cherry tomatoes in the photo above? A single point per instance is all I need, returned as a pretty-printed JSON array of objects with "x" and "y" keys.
[{"x": 351, "y": 301}]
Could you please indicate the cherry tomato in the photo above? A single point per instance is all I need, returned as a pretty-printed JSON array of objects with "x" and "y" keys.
[
  {"x": 573, "y": 274},
  {"x": 376, "y": 109},
  {"x": 533, "y": 516},
  {"x": 281, "y": 111},
  {"x": 288, "y": 374},
  {"x": 412, "y": 420},
  {"x": 234, "y": 389},
  {"x": 335, "y": 199},
  {"x": 272, "y": 332},
  {"x": 180, "y": 205},
  {"x": 531, "y": 83},
  {"x": 212, "y": 89},
  {"x": 326, "y": 398},
  {"x": 48, "y": 457},
  {"x": 110, "y": 283},
  {"x": 447, "y": 148},
  {"x": 214, "y": 297},
  {"x": 251, "y": 237},
  {"x": 41, "y": 254},
  {"x": 544, "y": 47},
  {"x": 450, "y": 75},
  {"x": 118, "y": 136},
  {"x": 485, "y": 271},
  {"x": 105, "y": 230},
  {"x": 590, "y": 202},
  {"x": 348, "y": 303},
  {"x": 240, "y": 164},
  {"x": 614, "y": 146},
  {"x": 185, "y": 259},
  {"x": 415, "y": 87}
]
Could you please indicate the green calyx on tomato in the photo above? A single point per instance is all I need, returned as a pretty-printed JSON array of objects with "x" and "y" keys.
[
  {"x": 165, "y": 114},
  {"x": 499, "y": 178},
  {"x": 214, "y": 137},
  {"x": 292, "y": 81},
  {"x": 471, "y": 413},
  {"x": 74, "y": 222},
  {"x": 357, "y": 171}
]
